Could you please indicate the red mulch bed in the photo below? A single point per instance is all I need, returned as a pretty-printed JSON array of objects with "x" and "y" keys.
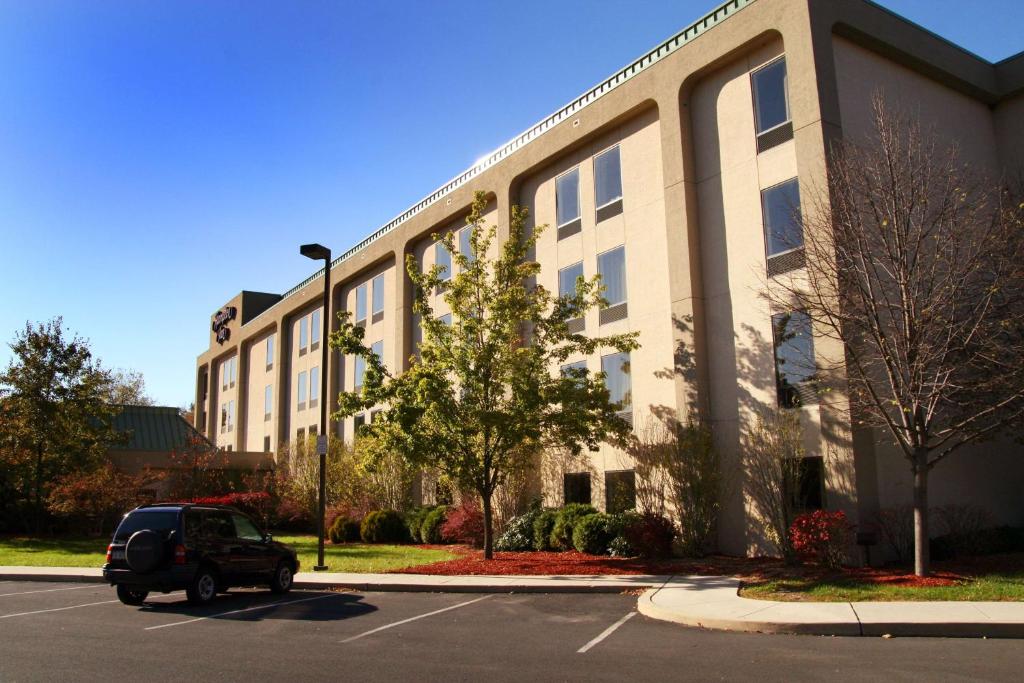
[{"x": 470, "y": 562}]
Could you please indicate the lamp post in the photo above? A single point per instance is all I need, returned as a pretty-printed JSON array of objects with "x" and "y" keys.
[{"x": 317, "y": 252}]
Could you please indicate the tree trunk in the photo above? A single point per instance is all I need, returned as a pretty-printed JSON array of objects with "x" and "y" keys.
[
  {"x": 921, "y": 513},
  {"x": 488, "y": 535}
]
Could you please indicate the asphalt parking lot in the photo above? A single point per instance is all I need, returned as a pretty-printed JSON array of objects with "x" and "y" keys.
[{"x": 81, "y": 632}]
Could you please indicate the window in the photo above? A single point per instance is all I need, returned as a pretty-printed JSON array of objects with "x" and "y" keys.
[
  {"x": 810, "y": 482},
  {"x": 231, "y": 415},
  {"x": 303, "y": 334},
  {"x": 360, "y": 420},
  {"x": 771, "y": 99},
  {"x": 378, "y": 349},
  {"x": 611, "y": 265},
  {"x": 245, "y": 529},
  {"x": 374, "y": 416},
  {"x": 794, "y": 356},
  {"x": 223, "y": 417},
  {"x": 465, "y": 248},
  {"x": 270, "y": 352},
  {"x": 225, "y": 373},
  {"x": 378, "y": 296},
  {"x": 360, "y": 370},
  {"x": 567, "y": 197},
  {"x": 444, "y": 259},
  {"x": 266, "y": 444},
  {"x": 300, "y": 438},
  {"x": 615, "y": 367},
  {"x": 577, "y": 369},
  {"x": 268, "y": 402},
  {"x": 312, "y": 430},
  {"x": 361, "y": 303},
  {"x": 576, "y": 488},
  {"x": 619, "y": 491},
  {"x": 302, "y": 390},
  {"x": 314, "y": 386},
  {"x": 780, "y": 207},
  {"x": 446, "y": 319},
  {"x": 314, "y": 330},
  {"x": 607, "y": 177},
  {"x": 567, "y": 278},
  {"x": 234, "y": 370}
]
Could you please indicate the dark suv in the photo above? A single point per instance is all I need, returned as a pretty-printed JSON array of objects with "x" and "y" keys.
[{"x": 204, "y": 549}]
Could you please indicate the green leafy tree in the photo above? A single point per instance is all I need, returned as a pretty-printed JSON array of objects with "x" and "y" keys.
[
  {"x": 128, "y": 387},
  {"x": 56, "y": 418},
  {"x": 486, "y": 395}
]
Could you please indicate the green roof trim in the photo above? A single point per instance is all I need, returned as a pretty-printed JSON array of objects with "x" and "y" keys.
[{"x": 153, "y": 428}]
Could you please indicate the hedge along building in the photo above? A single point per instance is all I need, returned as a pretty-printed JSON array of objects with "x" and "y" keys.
[{"x": 666, "y": 179}]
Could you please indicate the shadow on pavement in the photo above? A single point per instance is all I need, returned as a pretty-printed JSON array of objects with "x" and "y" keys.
[{"x": 253, "y": 606}]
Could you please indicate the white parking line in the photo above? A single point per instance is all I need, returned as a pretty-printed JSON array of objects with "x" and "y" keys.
[
  {"x": 56, "y": 609},
  {"x": 406, "y": 621},
  {"x": 51, "y": 590},
  {"x": 607, "y": 632},
  {"x": 239, "y": 611}
]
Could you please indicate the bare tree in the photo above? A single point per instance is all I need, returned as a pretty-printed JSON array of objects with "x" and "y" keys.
[
  {"x": 915, "y": 265},
  {"x": 773, "y": 449}
]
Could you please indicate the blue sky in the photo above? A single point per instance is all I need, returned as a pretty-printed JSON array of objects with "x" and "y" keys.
[{"x": 158, "y": 157}]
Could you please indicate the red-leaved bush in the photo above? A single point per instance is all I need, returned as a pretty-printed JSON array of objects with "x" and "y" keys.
[
  {"x": 821, "y": 537},
  {"x": 651, "y": 535},
  {"x": 464, "y": 524}
]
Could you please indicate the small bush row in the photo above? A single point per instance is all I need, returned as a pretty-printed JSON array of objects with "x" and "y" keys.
[
  {"x": 581, "y": 527},
  {"x": 430, "y": 524}
]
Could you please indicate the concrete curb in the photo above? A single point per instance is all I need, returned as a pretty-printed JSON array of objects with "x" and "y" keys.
[{"x": 715, "y": 603}]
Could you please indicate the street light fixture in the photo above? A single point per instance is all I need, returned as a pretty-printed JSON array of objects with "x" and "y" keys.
[{"x": 318, "y": 252}]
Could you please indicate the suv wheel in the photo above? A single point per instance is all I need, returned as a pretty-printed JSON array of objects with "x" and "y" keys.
[
  {"x": 283, "y": 577},
  {"x": 131, "y": 596},
  {"x": 203, "y": 588}
]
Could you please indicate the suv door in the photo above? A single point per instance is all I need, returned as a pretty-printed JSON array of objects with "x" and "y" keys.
[
  {"x": 259, "y": 561},
  {"x": 221, "y": 546}
]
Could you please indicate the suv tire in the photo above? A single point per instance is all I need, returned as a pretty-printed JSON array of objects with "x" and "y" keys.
[
  {"x": 203, "y": 588},
  {"x": 131, "y": 596},
  {"x": 282, "y": 579},
  {"x": 144, "y": 551}
]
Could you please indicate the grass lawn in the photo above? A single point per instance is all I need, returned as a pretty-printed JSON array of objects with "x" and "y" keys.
[
  {"x": 90, "y": 551},
  {"x": 997, "y": 579}
]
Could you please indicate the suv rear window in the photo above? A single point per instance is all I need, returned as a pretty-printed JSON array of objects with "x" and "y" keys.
[{"x": 157, "y": 520}]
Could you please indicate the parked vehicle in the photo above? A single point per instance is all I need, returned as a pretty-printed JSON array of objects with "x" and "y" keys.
[{"x": 203, "y": 549}]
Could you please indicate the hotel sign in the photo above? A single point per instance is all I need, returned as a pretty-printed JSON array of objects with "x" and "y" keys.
[{"x": 220, "y": 323}]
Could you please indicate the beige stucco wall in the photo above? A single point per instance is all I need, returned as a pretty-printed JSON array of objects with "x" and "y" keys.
[
  {"x": 259, "y": 377},
  {"x": 223, "y": 395}
]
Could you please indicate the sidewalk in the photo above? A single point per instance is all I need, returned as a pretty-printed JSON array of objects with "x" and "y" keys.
[{"x": 701, "y": 601}]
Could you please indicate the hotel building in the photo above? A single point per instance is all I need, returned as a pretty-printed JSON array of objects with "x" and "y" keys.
[{"x": 673, "y": 178}]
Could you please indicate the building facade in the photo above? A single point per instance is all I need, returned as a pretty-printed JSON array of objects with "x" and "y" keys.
[{"x": 675, "y": 180}]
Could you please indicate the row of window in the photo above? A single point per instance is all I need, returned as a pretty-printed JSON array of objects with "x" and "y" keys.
[
  {"x": 619, "y": 490},
  {"x": 310, "y": 390},
  {"x": 377, "y": 287},
  {"x": 611, "y": 266},
  {"x": 617, "y": 379},
  {"x": 309, "y": 332},
  {"x": 229, "y": 373},
  {"x": 227, "y": 416},
  {"x": 360, "y": 363},
  {"x": 607, "y": 187},
  {"x": 443, "y": 258}
]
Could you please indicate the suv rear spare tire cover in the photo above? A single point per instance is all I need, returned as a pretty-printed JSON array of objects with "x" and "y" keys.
[{"x": 144, "y": 551}]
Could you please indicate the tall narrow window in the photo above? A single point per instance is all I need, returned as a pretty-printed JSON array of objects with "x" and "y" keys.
[
  {"x": 361, "y": 303},
  {"x": 465, "y": 247},
  {"x": 567, "y": 197},
  {"x": 314, "y": 330},
  {"x": 577, "y": 370},
  {"x": 794, "y": 357},
  {"x": 378, "y": 298},
  {"x": 303, "y": 334},
  {"x": 771, "y": 96},
  {"x": 266, "y": 444},
  {"x": 314, "y": 386},
  {"x": 612, "y": 267},
  {"x": 302, "y": 390},
  {"x": 225, "y": 373},
  {"x": 446, "y": 319},
  {"x": 616, "y": 371},
  {"x": 223, "y": 417},
  {"x": 567, "y": 278},
  {"x": 270, "y": 352},
  {"x": 780, "y": 207},
  {"x": 607, "y": 177},
  {"x": 268, "y": 402},
  {"x": 360, "y": 370},
  {"x": 378, "y": 349},
  {"x": 231, "y": 415},
  {"x": 576, "y": 488},
  {"x": 619, "y": 491},
  {"x": 443, "y": 259}
]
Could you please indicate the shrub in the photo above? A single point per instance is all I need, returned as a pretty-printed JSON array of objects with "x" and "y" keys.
[
  {"x": 383, "y": 526},
  {"x": 821, "y": 536},
  {"x": 518, "y": 534},
  {"x": 620, "y": 547},
  {"x": 591, "y": 534},
  {"x": 896, "y": 529},
  {"x": 414, "y": 521},
  {"x": 561, "y": 535},
  {"x": 650, "y": 535},
  {"x": 336, "y": 531},
  {"x": 963, "y": 525},
  {"x": 430, "y": 529},
  {"x": 618, "y": 524},
  {"x": 464, "y": 524},
  {"x": 543, "y": 525}
]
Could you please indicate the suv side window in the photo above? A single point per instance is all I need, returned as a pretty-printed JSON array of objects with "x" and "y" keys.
[
  {"x": 245, "y": 529},
  {"x": 193, "y": 524},
  {"x": 217, "y": 524}
]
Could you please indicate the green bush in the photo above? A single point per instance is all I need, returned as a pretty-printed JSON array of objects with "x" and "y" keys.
[
  {"x": 561, "y": 535},
  {"x": 384, "y": 526},
  {"x": 414, "y": 521},
  {"x": 336, "y": 532},
  {"x": 591, "y": 534},
  {"x": 543, "y": 525},
  {"x": 518, "y": 536},
  {"x": 618, "y": 526},
  {"x": 430, "y": 528}
]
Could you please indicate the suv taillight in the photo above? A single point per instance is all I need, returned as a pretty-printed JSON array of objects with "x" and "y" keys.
[
  {"x": 179, "y": 554},
  {"x": 110, "y": 549}
]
